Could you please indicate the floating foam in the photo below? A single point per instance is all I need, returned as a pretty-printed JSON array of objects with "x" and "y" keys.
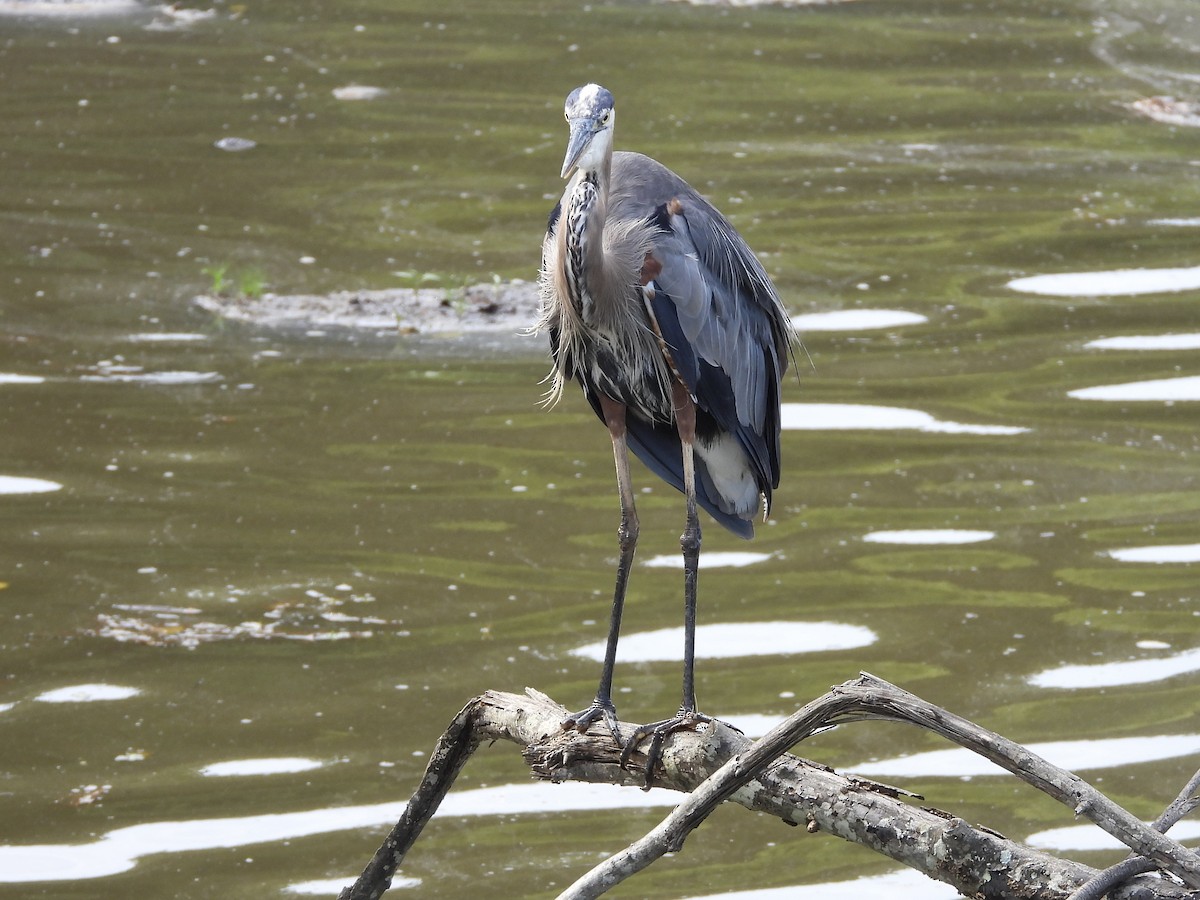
[
  {"x": 1114, "y": 674},
  {"x": 1116, "y": 283},
  {"x": 737, "y": 639},
  {"x": 267, "y": 766},
  {"x": 856, "y": 320},
  {"x": 1074, "y": 756},
  {"x": 929, "y": 536},
  {"x": 1162, "y": 389},
  {"x": 856, "y": 416},
  {"x": 12, "y": 378}
]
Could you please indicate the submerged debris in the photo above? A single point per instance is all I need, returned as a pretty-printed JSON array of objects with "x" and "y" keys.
[
  {"x": 1168, "y": 111},
  {"x": 508, "y": 306},
  {"x": 87, "y": 794},
  {"x": 311, "y": 616}
]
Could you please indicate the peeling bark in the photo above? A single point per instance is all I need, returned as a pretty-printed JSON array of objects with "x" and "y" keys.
[{"x": 719, "y": 764}]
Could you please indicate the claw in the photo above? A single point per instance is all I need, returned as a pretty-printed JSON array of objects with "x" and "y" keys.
[
  {"x": 600, "y": 709},
  {"x": 684, "y": 720}
]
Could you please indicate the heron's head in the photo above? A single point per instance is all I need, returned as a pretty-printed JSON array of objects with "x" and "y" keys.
[{"x": 590, "y": 114}]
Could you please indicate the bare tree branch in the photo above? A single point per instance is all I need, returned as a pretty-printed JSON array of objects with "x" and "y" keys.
[
  {"x": 870, "y": 697},
  {"x": 879, "y": 698},
  {"x": 1105, "y": 881},
  {"x": 976, "y": 861}
]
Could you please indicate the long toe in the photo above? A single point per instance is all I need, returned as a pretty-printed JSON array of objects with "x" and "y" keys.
[
  {"x": 658, "y": 732},
  {"x": 599, "y": 710}
]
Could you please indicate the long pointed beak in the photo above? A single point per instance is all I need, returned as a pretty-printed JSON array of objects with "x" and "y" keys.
[{"x": 582, "y": 133}]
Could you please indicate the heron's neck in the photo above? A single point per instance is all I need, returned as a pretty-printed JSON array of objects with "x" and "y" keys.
[{"x": 583, "y": 237}]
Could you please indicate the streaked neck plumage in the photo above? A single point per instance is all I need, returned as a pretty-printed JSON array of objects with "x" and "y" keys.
[{"x": 583, "y": 236}]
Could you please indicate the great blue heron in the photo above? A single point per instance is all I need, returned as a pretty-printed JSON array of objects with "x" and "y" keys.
[{"x": 663, "y": 314}]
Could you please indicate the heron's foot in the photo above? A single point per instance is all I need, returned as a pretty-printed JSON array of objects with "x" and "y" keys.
[
  {"x": 657, "y": 732},
  {"x": 601, "y": 708}
]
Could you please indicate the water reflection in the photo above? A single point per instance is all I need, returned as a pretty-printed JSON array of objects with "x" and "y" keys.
[
  {"x": 718, "y": 559},
  {"x": 331, "y": 887},
  {"x": 1114, "y": 674},
  {"x": 88, "y": 693},
  {"x": 1161, "y": 389},
  {"x": 1189, "y": 341},
  {"x": 1089, "y": 837},
  {"x": 119, "y": 850},
  {"x": 856, "y": 320},
  {"x": 905, "y": 884},
  {"x": 282, "y": 765},
  {"x": 1074, "y": 756},
  {"x": 166, "y": 337},
  {"x": 14, "y": 484},
  {"x": 858, "y": 416},
  {"x": 116, "y": 372},
  {"x": 68, "y": 9},
  {"x": 1163, "y": 553},
  {"x": 1116, "y": 283},
  {"x": 737, "y": 639},
  {"x": 929, "y": 536},
  {"x": 358, "y": 92}
]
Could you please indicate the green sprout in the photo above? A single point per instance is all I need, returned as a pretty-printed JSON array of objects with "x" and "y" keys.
[
  {"x": 217, "y": 274},
  {"x": 251, "y": 283}
]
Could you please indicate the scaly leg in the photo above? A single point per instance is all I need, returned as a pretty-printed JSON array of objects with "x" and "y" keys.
[
  {"x": 627, "y": 534},
  {"x": 689, "y": 542}
]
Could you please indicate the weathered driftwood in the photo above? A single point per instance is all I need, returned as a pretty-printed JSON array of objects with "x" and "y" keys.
[
  {"x": 720, "y": 764},
  {"x": 1105, "y": 881}
]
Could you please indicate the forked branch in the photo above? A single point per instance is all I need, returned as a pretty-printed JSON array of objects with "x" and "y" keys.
[{"x": 720, "y": 764}]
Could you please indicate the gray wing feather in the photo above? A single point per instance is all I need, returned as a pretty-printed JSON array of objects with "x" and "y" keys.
[{"x": 727, "y": 307}]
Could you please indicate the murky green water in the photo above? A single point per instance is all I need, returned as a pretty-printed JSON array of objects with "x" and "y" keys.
[{"x": 321, "y": 546}]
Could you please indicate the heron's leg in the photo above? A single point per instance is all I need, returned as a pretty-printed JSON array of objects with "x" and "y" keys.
[
  {"x": 627, "y": 535},
  {"x": 689, "y": 542}
]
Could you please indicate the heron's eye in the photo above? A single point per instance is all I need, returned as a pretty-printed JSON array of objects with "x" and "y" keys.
[{"x": 604, "y": 119}]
